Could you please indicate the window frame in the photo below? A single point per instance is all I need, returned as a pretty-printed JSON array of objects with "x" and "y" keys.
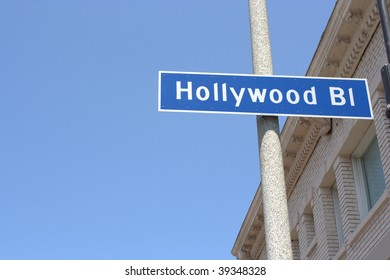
[{"x": 362, "y": 191}]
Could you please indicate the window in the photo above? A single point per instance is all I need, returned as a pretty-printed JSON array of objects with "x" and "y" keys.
[
  {"x": 370, "y": 180},
  {"x": 373, "y": 170}
]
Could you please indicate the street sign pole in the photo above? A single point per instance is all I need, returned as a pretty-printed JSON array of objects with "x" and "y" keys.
[
  {"x": 276, "y": 223},
  {"x": 385, "y": 71}
]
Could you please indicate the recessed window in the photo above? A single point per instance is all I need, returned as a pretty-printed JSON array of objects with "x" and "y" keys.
[
  {"x": 368, "y": 169},
  {"x": 373, "y": 171}
]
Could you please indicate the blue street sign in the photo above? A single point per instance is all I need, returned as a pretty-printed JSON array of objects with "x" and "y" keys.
[{"x": 264, "y": 95}]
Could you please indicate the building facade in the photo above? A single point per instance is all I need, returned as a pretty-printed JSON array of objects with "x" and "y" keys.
[{"x": 337, "y": 171}]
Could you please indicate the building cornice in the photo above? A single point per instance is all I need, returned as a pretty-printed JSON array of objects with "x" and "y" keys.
[
  {"x": 345, "y": 39},
  {"x": 300, "y": 142},
  {"x": 251, "y": 228}
]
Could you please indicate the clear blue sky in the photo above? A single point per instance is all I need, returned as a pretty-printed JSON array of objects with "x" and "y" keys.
[{"x": 88, "y": 168}]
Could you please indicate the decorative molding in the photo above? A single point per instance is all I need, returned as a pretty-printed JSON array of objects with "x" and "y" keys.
[
  {"x": 342, "y": 41},
  {"x": 255, "y": 228},
  {"x": 288, "y": 132},
  {"x": 362, "y": 36},
  {"x": 244, "y": 253},
  {"x": 246, "y": 248},
  {"x": 297, "y": 140},
  {"x": 324, "y": 50},
  {"x": 332, "y": 65},
  {"x": 324, "y": 125},
  {"x": 316, "y": 128},
  {"x": 252, "y": 226},
  {"x": 355, "y": 16},
  {"x": 258, "y": 245},
  {"x": 350, "y": 28},
  {"x": 304, "y": 122},
  {"x": 290, "y": 156},
  {"x": 252, "y": 237}
]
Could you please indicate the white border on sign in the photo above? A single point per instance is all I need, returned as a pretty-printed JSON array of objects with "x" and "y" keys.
[{"x": 267, "y": 76}]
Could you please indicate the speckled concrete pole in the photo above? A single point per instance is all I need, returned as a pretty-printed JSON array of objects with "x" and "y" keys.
[{"x": 276, "y": 224}]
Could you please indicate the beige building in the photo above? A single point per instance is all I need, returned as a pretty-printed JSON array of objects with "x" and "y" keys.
[{"x": 337, "y": 171}]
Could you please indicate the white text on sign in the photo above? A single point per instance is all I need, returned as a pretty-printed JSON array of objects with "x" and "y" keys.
[{"x": 276, "y": 96}]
